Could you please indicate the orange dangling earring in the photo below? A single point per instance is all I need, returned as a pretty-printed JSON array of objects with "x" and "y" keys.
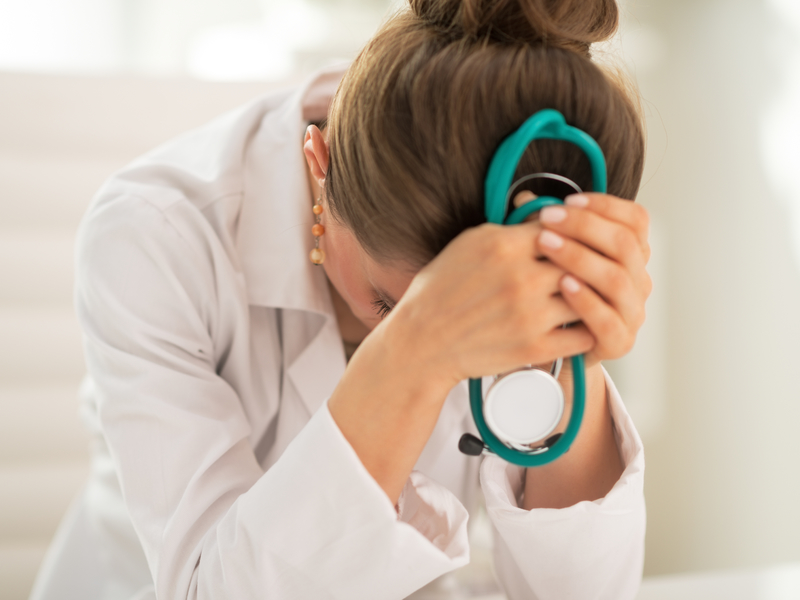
[{"x": 317, "y": 254}]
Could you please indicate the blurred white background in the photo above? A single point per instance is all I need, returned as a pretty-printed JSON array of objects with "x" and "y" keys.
[{"x": 87, "y": 85}]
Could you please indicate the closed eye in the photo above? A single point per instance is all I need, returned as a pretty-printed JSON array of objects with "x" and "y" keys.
[{"x": 381, "y": 307}]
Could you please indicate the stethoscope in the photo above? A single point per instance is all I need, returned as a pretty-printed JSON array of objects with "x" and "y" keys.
[{"x": 523, "y": 407}]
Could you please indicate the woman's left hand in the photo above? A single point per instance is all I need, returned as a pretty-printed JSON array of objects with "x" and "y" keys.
[{"x": 602, "y": 243}]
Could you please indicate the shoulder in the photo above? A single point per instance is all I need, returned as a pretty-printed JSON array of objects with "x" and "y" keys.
[
  {"x": 183, "y": 196},
  {"x": 204, "y": 163}
]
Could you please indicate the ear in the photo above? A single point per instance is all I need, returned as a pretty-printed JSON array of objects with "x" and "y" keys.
[{"x": 316, "y": 150}]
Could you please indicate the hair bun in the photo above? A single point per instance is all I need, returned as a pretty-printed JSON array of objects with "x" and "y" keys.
[{"x": 572, "y": 24}]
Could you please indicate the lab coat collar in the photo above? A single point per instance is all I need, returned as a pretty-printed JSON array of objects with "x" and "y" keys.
[
  {"x": 274, "y": 239},
  {"x": 274, "y": 235}
]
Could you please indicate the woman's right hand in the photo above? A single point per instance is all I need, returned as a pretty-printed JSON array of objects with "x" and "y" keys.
[{"x": 487, "y": 304}]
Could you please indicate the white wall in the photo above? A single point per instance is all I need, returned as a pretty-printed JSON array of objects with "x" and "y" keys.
[
  {"x": 723, "y": 464},
  {"x": 60, "y": 137},
  {"x": 219, "y": 40}
]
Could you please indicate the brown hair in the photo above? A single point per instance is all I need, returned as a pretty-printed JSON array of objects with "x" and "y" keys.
[{"x": 420, "y": 112}]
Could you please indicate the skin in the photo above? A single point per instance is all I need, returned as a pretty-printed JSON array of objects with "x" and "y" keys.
[{"x": 494, "y": 299}]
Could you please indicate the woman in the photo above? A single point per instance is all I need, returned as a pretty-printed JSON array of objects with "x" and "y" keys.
[{"x": 238, "y": 454}]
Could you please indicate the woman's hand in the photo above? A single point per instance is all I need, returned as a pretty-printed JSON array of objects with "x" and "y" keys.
[
  {"x": 601, "y": 242},
  {"x": 486, "y": 305}
]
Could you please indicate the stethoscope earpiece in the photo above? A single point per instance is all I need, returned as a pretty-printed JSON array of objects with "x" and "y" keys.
[{"x": 524, "y": 406}]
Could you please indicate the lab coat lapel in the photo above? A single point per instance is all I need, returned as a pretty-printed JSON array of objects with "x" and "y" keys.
[
  {"x": 315, "y": 357},
  {"x": 452, "y": 423},
  {"x": 317, "y": 370},
  {"x": 274, "y": 239}
]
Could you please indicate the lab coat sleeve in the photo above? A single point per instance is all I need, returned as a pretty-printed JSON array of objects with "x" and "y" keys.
[
  {"x": 212, "y": 524},
  {"x": 589, "y": 550}
]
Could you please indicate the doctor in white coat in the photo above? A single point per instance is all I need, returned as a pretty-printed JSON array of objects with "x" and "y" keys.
[{"x": 236, "y": 451}]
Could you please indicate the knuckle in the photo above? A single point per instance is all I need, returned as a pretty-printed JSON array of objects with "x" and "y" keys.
[
  {"x": 648, "y": 285},
  {"x": 641, "y": 317},
  {"x": 585, "y": 341},
  {"x": 515, "y": 281},
  {"x": 575, "y": 257},
  {"x": 625, "y": 241},
  {"x": 627, "y": 344},
  {"x": 501, "y": 247},
  {"x": 641, "y": 218},
  {"x": 617, "y": 277},
  {"x": 580, "y": 222},
  {"x": 607, "y": 328}
]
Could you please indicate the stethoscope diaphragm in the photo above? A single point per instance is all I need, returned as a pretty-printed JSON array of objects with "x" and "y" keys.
[{"x": 523, "y": 407}]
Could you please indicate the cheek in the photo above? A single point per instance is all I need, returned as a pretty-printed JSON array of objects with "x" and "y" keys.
[{"x": 343, "y": 268}]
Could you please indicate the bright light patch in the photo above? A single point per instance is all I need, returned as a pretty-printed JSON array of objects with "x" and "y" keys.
[
  {"x": 265, "y": 51},
  {"x": 780, "y": 123},
  {"x": 78, "y": 36}
]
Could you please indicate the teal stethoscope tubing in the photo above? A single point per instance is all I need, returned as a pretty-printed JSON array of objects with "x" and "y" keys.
[{"x": 545, "y": 124}]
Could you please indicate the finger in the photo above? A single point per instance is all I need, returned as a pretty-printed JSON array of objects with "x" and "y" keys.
[
  {"x": 535, "y": 325},
  {"x": 541, "y": 276},
  {"x": 524, "y": 197},
  {"x": 616, "y": 209},
  {"x": 611, "y": 238},
  {"x": 614, "y": 337},
  {"x": 558, "y": 312},
  {"x": 604, "y": 275},
  {"x": 516, "y": 240},
  {"x": 571, "y": 341}
]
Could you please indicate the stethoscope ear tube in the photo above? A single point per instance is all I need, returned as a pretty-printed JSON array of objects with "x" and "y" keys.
[{"x": 553, "y": 452}]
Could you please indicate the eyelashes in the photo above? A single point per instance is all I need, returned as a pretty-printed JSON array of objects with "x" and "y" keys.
[{"x": 381, "y": 307}]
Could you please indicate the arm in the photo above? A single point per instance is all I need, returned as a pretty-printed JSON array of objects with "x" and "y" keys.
[
  {"x": 597, "y": 487},
  {"x": 593, "y": 464},
  {"x": 591, "y": 549},
  {"x": 485, "y": 306},
  {"x": 482, "y": 306},
  {"x": 150, "y": 295}
]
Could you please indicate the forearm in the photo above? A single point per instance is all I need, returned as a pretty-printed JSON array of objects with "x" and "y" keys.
[
  {"x": 387, "y": 404},
  {"x": 593, "y": 464}
]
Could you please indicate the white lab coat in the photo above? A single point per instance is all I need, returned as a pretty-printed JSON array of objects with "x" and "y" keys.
[{"x": 212, "y": 347}]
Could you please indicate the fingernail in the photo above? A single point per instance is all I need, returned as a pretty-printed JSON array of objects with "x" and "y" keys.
[
  {"x": 570, "y": 284},
  {"x": 551, "y": 240},
  {"x": 552, "y": 214},
  {"x": 578, "y": 200}
]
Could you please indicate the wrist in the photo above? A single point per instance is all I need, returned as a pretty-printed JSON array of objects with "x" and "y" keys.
[
  {"x": 413, "y": 352},
  {"x": 387, "y": 404}
]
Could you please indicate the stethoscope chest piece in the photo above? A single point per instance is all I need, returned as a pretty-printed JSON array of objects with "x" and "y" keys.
[{"x": 523, "y": 407}]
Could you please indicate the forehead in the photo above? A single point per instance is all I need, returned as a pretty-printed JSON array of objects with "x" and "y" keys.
[{"x": 387, "y": 278}]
